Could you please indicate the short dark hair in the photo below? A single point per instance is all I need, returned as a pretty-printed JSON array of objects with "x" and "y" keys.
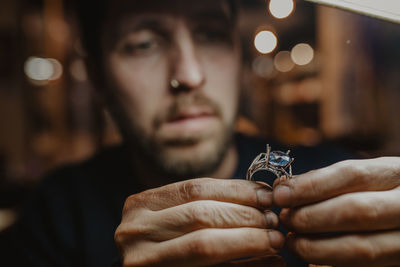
[{"x": 91, "y": 16}]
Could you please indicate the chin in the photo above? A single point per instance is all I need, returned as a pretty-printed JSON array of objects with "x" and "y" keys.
[{"x": 193, "y": 159}]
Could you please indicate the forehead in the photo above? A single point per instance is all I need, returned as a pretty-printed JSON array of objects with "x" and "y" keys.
[{"x": 123, "y": 10}]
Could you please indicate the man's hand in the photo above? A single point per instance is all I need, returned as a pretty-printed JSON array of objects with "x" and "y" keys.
[
  {"x": 199, "y": 222},
  {"x": 345, "y": 214}
]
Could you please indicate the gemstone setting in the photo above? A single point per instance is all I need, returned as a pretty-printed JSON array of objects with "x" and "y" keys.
[
  {"x": 277, "y": 162},
  {"x": 279, "y": 159}
]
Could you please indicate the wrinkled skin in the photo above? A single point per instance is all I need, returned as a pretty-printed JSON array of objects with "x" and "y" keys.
[
  {"x": 200, "y": 222},
  {"x": 346, "y": 214}
]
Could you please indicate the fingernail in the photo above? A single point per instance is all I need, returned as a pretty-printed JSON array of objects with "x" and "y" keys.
[
  {"x": 272, "y": 220},
  {"x": 264, "y": 197},
  {"x": 275, "y": 239}
]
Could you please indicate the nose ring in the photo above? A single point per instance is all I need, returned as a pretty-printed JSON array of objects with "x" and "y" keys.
[{"x": 175, "y": 84}]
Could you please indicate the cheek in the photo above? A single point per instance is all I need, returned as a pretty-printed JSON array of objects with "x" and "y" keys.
[
  {"x": 138, "y": 90},
  {"x": 223, "y": 79}
]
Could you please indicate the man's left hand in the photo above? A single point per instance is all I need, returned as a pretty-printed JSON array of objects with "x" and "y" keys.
[{"x": 344, "y": 214}]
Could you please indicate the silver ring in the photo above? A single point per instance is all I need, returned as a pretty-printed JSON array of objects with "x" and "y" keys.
[
  {"x": 175, "y": 84},
  {"x": 277, "y": 162}
]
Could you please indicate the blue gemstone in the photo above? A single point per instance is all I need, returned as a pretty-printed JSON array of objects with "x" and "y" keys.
[{"x": 279, "y": 159}]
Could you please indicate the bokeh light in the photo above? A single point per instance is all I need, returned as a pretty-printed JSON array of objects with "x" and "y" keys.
[
  {"x": 43, "y": 69},
  {"x": 265, "y": 42},
  {"x": 302, "y": 54},
  {"x": 263, "y": 66},
  {"x": 281, "y": 8},
  {"x": 283, "y": 62},
  {"x": 57, "y": 69}
]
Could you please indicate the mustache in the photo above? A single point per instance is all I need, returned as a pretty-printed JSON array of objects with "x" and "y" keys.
[{"x": 183, "y": 103}]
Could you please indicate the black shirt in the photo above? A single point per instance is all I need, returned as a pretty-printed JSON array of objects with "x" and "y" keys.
[{"x": 71, "y": 218}]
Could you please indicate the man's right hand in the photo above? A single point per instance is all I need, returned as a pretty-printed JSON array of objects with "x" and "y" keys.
[{"x": 200, "y": 222}]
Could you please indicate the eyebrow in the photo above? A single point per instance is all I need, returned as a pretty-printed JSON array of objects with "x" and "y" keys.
[
  {"x": 149, "y": 23},
  {"x": 215, "y": 15},
  {"x": 143, "y": 22}
]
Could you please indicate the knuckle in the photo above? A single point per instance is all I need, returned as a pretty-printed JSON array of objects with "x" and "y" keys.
[
  {"x": 305, "y": 249},
  {"x": 201, "y": 215},
  {"x": 359, "y": 211},
  {"x": 128, "y": 204},
  {"x": 201, "y": 247},
  {"x": 396, "y": 166},
  {"x": 365, "y": 249},
  {"x": 392, "y": 168},
  {"x": 314, "y": 187},
  {"x": 119, "y": 236},
  {"x": 236, "y": 187},
  {"x": 358, "y": 172},
  {"x": 191, "y": 190},
  {"x": 133, "y": 202},
  {"x": 127, "y": 232},
  {"x": 369, "y": 211},
  {"x": 302, "y": 219},
  {"x": 249, "y": 216},
  {"x": 139, "y": 231}
]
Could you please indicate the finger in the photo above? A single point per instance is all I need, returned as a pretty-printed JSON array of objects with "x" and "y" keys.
[
  {"x": 355, "y": 212},
  {"x": 234, "y": 191},
  {"x": 270, "y": 261},
  {"x": 207, "y": 247},
  {"x": 179, "y": 220},
  {"x": 372, "y": 249},
  {"x": 340, "y": 178}
]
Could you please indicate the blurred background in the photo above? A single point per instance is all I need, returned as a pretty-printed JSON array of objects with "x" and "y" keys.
[{"x": 312, "y": 74}]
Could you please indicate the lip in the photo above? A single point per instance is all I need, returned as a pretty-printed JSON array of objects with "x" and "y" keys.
[
  {"x": 193, "y": 121},
  {"x": 191, "y": 114}
]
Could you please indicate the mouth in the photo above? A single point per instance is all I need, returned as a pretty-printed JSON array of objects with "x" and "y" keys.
[
  {"x": 191, "y": 114},
  {"x": 191, "y": 121}
]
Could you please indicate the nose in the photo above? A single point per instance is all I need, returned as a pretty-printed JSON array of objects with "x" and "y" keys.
[{"x": 187, "y": 69}]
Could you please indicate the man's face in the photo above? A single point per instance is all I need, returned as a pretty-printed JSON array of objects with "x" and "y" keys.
[{"x": 147, "y": 44}]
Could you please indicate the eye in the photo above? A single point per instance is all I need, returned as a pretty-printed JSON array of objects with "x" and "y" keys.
[
  {"x": 134, "y": 48},
  {"x": 141, "y": 43},
  {"x": 139, "y": 47},
  {"x": 145, "y": 45}
]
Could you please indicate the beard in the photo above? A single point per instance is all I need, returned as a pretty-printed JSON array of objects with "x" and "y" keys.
[{"x": 188, "y": 155}]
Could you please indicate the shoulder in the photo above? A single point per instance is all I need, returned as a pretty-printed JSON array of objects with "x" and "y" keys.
[
  {"x": 73, "y": 202},
  {"x": 70, "y": 191}
]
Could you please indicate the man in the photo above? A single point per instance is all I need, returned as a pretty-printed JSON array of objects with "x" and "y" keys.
[{"x": 169, "y": 71}]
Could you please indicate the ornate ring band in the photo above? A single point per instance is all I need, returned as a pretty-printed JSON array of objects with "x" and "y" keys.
[{"x": 277, "y": 162}]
